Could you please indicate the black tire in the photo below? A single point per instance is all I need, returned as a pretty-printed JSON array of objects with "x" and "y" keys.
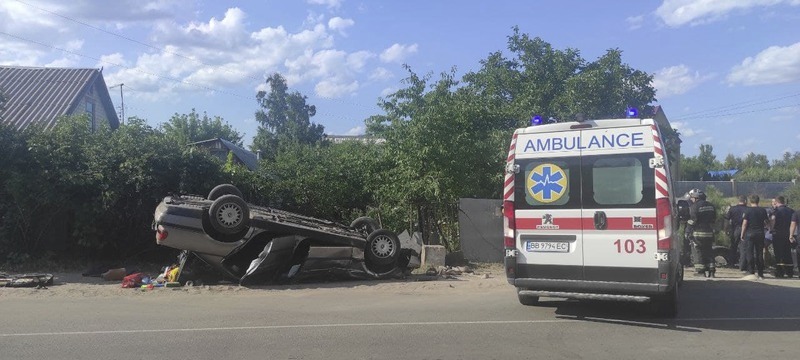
[
  {"x": 365, "y": 224},
  {"x": 667, "y": 305},
  {"x": 229, "y": 214},
  {"x": 527, "y": 300},
  {"x": 224, "y": 189},
  {"x": 382, "y": 250}
]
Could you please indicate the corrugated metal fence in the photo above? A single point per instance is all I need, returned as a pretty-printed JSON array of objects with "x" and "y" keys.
[{"x": 766, "y": 190}]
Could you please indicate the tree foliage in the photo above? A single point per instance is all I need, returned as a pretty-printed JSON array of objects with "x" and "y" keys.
[
  {"x": 284, "y": 118},
  {"x": 192, "y": 127}
]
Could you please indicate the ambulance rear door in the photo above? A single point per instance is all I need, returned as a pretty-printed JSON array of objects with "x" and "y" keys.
[
  {"x": 619, "y": 205},
  {"x": 547, "y": 203}
]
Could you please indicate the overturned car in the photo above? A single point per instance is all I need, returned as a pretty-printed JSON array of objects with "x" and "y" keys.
[{"x": 255, "y": 245}]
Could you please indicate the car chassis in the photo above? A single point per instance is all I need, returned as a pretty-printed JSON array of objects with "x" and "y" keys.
[{"x": 255, "y": 245}]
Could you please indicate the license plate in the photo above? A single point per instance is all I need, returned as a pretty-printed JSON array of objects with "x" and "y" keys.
[{"x": 547, "y": 246}]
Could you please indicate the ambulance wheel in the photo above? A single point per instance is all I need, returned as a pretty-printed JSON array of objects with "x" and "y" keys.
[
  {"x": 229, "y": 214},
  {"x": 667, "y": 305},
  {"x": 527, "y": 300}
]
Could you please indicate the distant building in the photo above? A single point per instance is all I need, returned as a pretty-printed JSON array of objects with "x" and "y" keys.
[
  {"x": 40, "y": 95},
  {"x": 366, "y": 139},
  {"x": 220, "y": 148}
]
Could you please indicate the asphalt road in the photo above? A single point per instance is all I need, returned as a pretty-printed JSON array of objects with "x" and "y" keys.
[{"x": 718, "y": 319}]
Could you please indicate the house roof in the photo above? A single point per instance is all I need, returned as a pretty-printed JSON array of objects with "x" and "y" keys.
[
  {"x": 40, "y": 95},
  {"x": 248, "y": 158}
]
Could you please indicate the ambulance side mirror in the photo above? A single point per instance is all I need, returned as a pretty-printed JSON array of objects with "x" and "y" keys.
[{"x": 683, "y": 210}]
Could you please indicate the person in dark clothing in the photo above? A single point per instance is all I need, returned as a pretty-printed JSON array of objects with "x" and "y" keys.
[
  {"x": 733, "y": 220},
  {"x": 794, "y": 232},
  {"x": 780, "y": 223},
  {"x": 754, "y": 221},
  {"x": 702, "y": 216}
]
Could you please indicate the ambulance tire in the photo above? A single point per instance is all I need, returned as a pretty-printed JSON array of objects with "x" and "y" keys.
[
  {"x": 666, "y": 306},
  {"x": 527, "y": 300}
]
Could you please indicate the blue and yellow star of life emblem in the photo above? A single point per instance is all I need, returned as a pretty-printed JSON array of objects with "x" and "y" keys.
[{"x": 546, "y": 183}]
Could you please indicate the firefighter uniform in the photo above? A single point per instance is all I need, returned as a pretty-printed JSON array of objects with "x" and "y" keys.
[{"x": 702, "y": 216}]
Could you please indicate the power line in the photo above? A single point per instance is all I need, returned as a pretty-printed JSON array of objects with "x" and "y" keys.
[
  {"x": 736, "y": 113},
  {"x": 208, "y": 88},
  {"x": 736, "y": 106},
  {"x": 170, "y": 52}
]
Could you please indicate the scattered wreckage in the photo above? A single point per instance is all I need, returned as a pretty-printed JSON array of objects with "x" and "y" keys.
[{"x": 255, "y": 245}]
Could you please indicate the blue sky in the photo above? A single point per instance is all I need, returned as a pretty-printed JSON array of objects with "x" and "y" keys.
[{"x": 727, "y": 72}]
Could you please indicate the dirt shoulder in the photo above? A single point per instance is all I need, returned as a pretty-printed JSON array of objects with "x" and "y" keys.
[{"x": 71, "y": 284}]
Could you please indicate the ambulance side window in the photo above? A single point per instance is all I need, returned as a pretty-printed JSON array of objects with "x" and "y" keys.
[
  {"x": 619, "y": 181},
  {"x": 548, "y": 184}
]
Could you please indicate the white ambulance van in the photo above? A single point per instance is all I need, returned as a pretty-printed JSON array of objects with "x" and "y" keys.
[{"x": 588, "y": 214}]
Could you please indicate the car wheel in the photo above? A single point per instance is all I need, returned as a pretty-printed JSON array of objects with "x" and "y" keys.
[
  {"x": 527, "y": 300},
  {"x": 224, "y": 189},
  {"x": 666, "y": 306},
  {"x": 365, "y": 224},
  {"x": 382, "y": 249},
  {"x": 229, "y": 214}
]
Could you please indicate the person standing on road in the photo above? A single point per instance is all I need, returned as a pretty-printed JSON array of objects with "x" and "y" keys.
[
  {"x": 794, "y": 229},
  {"x": 780, "y": 222},
  {"x": 702, "y": 216},
  {"x": 754, "y": 221},
  {"x": 734, "y": 221}
]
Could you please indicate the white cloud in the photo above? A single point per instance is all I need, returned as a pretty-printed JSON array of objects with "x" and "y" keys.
[
  {"x": 676, "y": 80},
  {"x": 339, "y": 24},
  {"x": 684, "y": 129},
  {"x": 635, "y": 22},
  {"x": 398, "y": 52},
  {"x": 358, "y": 130},
  {"x": 774, "y": 65},
  {"x": 334, "y": 88},
  {"x": 676, "y": 13},
  {"x": 331, "y": 4},
  {"x": 380, "y": 74},
  {"x": 388, "y": 91}
]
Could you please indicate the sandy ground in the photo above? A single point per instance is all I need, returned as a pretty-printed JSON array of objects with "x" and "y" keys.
[
  {"x": 480, "y": 277},
  {"x": 72, "y": 284}
]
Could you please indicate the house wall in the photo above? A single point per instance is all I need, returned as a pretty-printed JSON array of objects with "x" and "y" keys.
[{"x": 100, "y": 114}]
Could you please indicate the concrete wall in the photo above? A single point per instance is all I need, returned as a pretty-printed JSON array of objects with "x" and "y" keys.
[{"x": 480, "y": 227}]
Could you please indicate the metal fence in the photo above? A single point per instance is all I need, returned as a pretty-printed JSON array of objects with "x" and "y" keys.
[{"x": 766, "y": 190}]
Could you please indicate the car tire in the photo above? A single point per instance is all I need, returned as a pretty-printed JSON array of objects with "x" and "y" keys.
[
  {"x": 224, "y": 189},
  {"x": 229, "y": 214},
  {"x": 382, "y": 250},
  {"x": 365, "y": 224},
  {"x": 527, "y": 300}
]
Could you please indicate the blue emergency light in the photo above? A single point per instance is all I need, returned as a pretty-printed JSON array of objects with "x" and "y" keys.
[
  {"x": 536, "y": 120},
  {"x": 633, "y": 112}
]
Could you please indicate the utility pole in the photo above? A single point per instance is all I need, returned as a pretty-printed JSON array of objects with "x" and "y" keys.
[{"x": 122, "y": 100}]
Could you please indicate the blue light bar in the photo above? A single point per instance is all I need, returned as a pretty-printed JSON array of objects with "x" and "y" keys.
[
  {"x": 536, "y": 120},
  {"x": 633, "y": 112}
]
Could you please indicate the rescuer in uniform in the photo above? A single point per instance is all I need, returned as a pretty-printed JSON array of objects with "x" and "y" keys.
[
  {"x": 781, "y": 222},
  {"x": 702, "y": 216}
]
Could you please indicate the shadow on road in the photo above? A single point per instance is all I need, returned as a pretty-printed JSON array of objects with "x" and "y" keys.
[{"x": 737, "y": 305}]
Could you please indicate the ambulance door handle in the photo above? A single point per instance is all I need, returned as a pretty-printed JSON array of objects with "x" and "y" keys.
[{"x": 600, "y": 220}]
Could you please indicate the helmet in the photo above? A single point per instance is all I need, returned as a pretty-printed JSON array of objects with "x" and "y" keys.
[{"x": 697, "y": 194}]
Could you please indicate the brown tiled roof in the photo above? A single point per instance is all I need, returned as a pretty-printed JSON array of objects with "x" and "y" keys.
[{"x": 40, "y": 95}]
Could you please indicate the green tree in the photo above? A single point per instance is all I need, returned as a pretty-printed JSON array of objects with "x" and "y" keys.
[
  {"x": 284, "y": 118},
  {"x": 192, "y": 127},
  {"x": 707, "y": 158}
]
